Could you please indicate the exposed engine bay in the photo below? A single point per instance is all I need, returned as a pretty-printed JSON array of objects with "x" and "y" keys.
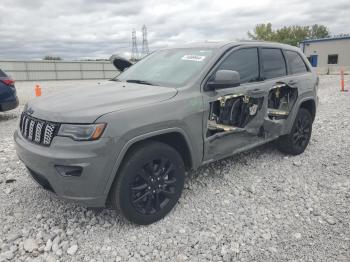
[{"x": 232, "y": 113}]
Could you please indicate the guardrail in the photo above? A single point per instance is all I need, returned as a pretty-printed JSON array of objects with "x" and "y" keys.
[{"x": 58, "y": 70}]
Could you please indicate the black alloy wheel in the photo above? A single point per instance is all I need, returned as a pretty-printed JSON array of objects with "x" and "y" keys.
[
  {"x": 298, "y": 139},
  {"x": 154, "y": 186},
  {"x": 302, "y": 132},
  {"x": 149, "y": 183}
]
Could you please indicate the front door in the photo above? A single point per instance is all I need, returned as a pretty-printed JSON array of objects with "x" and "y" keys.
[{"x": 235, "y": 116}]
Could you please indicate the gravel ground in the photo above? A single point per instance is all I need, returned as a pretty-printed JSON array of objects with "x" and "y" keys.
[{"x": 256, "y": 206}]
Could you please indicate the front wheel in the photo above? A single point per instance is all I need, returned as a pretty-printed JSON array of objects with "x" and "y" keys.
[
  {"x": 149, "y": 183},
  {"x": 297, "y": 140}
]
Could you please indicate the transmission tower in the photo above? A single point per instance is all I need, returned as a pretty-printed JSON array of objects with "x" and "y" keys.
[
  {"x": 134, "y": 51},
  {"x": 145, "y": 50}
]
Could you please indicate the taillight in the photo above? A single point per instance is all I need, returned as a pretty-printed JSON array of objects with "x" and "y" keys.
[{"x": 8, "y": 82}]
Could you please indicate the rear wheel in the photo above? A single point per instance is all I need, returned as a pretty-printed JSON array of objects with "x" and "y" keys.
[
  {"x": 149, "y": 183},
  {"x": 297, "y": 140}
]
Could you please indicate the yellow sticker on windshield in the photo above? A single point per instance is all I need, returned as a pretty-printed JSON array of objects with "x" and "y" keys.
[{"x": 197, "y": 58}]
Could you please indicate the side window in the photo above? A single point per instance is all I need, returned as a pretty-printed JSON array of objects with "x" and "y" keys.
[
  {"x": 295, "y": 63},
  {"x": 273, "y": 63},
  {"x": 245, "y": 62}
]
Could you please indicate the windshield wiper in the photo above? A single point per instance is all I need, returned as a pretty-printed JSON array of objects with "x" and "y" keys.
[{"x": 142, "y": 82}]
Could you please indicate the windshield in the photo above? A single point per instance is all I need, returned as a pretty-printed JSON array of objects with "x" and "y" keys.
[{"x": 170, "y": 68}]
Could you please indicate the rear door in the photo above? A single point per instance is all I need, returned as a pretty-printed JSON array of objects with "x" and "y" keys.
[
  {"x": 287, "y": 76},
  {"x": 234, "y": 116},
  {"x": 298, "y": 71},
  {"x": 299, "y": 77}
]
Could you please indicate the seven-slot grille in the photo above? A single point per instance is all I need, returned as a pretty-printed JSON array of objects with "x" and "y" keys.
[{"x": 38, "y": 131}]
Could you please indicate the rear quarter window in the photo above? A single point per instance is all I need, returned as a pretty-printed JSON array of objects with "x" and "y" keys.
[
  {"x": 296, "y": 64},
  {"x": 273, "y": 63}
]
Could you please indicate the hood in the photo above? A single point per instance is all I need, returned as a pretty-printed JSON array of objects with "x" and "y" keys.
[{"x": 85, "y": 104}]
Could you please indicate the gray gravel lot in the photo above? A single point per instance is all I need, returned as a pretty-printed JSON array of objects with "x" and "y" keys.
[{"x": 256, "y": 206}]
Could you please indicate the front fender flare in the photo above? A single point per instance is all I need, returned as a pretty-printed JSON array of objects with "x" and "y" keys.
[
  {"x": 295, "y": 112},
  {"x": 119, "y": 158}
]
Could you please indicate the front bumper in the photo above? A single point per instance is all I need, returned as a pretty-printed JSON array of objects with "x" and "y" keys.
[
  {"x": 9, "y": 105},
  {"x": 95, "y": 158}
]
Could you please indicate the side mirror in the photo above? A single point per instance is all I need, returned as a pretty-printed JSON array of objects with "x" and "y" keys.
[
  {"x": 120, "y": 63},
  {"x": 224, "y": 79}
]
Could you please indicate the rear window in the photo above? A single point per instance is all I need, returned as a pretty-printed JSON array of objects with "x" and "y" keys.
[
  {"x": 2, "y": 74},
  {"x": 273, "y": 63},
  {"x": 295, "y": 63}
]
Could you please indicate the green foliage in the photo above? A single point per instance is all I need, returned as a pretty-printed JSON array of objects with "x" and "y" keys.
[
  {"x": 52, "y": 58},
  {"x": 263, "y": 32},
  {"x": 291, "y": 35},
  {"x": 318, "y": 31}
]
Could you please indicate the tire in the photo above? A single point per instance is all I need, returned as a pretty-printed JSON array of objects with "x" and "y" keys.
[
  {"x": 297, "y": 140},
  {"x": 149, "y": 184}
]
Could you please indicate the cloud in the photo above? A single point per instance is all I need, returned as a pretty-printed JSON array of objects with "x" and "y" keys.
[{"x": 76, "y": 29}]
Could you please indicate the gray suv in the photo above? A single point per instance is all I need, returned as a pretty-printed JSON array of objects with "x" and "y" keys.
[{"x": 127, "y": 143}]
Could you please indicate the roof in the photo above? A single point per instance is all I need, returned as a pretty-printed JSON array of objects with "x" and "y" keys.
[
  {"x": 326, "y": 39},
  {"x": 223, "y": 44}
]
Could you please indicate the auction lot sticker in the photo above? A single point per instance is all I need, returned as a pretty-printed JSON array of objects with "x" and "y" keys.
[{"x": 197, "y": 58}]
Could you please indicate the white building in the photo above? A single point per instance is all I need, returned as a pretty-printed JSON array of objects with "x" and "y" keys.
[{"x": 328, "y": 55}]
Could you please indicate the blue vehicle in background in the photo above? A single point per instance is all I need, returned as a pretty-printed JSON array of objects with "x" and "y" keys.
[{"x": 8, "y": 95}]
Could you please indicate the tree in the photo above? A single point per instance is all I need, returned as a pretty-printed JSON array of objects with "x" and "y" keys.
[
  {"x": 52, "y": 58},
  {"x": 291, "y": 35},
  {"x": 263, "y": 32},
  {"x": 318, "y": 31}
]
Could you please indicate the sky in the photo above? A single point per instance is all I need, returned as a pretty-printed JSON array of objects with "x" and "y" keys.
[{"x": 80, "y": 29}]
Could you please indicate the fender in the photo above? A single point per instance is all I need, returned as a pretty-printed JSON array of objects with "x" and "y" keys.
[
  {"x": 295, "y": 111},
  {"x": 143, "y": 137}
]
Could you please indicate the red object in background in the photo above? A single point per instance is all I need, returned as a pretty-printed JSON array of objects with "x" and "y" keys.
[
  {"x": 37, "y": 90},
  {"x": 342, "y": 83},
  {"x": 8, "y": 81}
]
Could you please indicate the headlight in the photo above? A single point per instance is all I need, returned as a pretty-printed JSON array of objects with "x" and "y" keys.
[{"x": 82, "y": 132}]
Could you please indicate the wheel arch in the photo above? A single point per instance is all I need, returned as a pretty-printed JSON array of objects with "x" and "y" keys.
[
  {"x": 310, "y": 105},
  {"x": 175, "y": 137}
]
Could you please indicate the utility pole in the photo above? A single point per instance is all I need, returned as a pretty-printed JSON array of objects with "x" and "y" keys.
[{"x": 134, "y": 51}]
